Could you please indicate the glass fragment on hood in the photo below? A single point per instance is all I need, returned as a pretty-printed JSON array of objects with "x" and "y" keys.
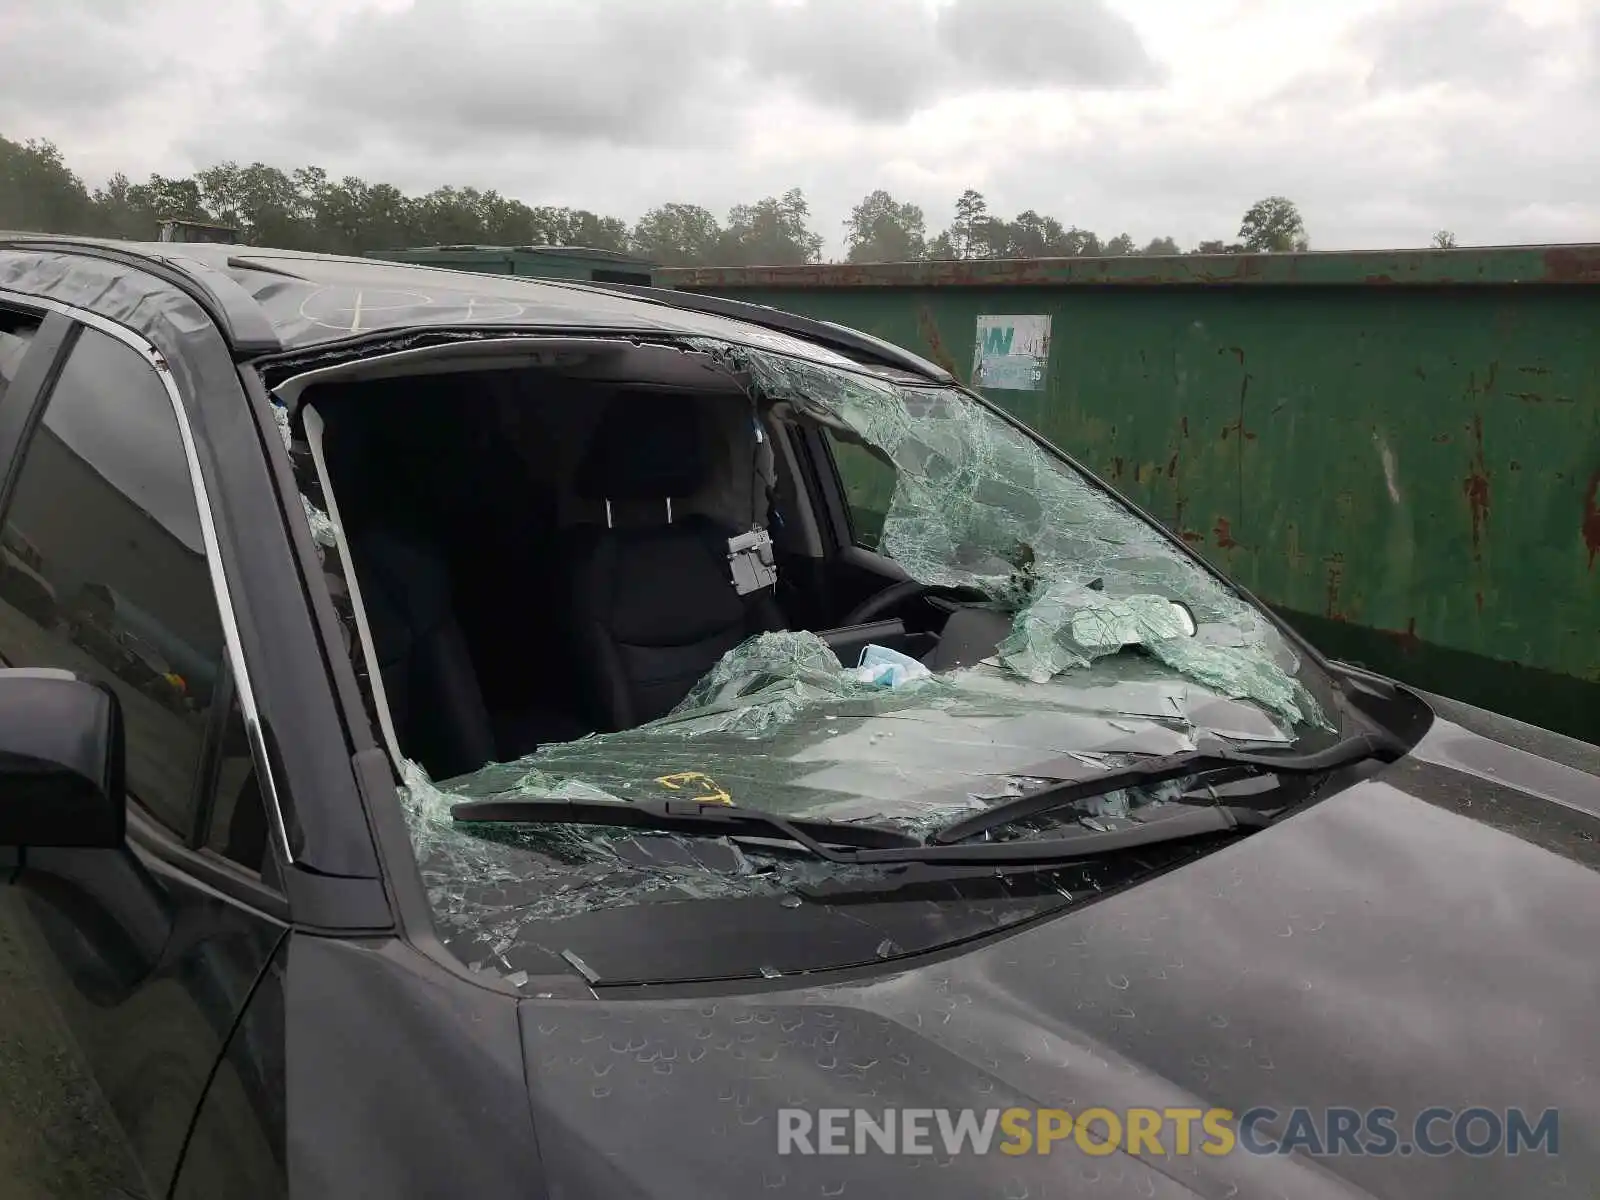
[
  {"x": 780, "y": 725},
  {"x": 488, "y": 892},
  {"x": 1068, "y": 625},
  {"x": 978, "y": 504},
  {"x": 766, "y": 681}
]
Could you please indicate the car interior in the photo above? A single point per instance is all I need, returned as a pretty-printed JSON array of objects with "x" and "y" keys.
[{"x": 539, "y": 554}]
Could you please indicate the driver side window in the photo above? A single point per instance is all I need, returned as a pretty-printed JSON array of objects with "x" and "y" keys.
[
  {"x": 868, "y": 485},
  {"x": 103, "y": 572}
]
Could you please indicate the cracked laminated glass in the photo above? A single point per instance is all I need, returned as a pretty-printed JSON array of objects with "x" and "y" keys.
[{"x": 969, "y": 502}]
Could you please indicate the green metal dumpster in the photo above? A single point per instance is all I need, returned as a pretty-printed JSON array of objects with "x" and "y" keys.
[
  {"x": 544, "y": 262},
  {"x": 1399, "y": 451}
]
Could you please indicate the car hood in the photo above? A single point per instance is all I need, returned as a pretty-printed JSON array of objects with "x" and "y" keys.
[{"x": 1423, "y": 938}]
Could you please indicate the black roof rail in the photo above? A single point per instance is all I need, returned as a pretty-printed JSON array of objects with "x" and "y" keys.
[
  {"x": 236, "y": 312},
  {"x": 841, "y": 336}
]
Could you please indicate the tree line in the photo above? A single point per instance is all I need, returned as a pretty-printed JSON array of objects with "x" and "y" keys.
[{"x": 307, "y": 209}]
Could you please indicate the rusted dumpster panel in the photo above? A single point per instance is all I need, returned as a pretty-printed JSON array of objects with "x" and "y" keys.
[{"x": 1400, "y": 451}]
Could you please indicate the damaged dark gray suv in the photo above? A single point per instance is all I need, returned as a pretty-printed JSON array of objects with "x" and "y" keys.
[{"x": 466, "y": 736}]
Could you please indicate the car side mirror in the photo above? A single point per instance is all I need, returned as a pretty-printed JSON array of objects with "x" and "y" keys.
[{"x": 62, "y": 758}]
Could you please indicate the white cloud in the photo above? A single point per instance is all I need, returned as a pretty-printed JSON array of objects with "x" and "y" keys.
[
  {"x": 1043, "y": 42},
  {"x": 629, "y": 72},
  {"x": 888, "y": 59},
  {"x": 72, "y": 59},
  {"x": 1479, "y": 45},
  {"x": 1383, "y": 119}
]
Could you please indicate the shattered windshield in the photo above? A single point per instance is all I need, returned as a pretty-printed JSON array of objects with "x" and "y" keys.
[
  {"x": 781, "y": 724},
  {"x": 977, "y": 503}
]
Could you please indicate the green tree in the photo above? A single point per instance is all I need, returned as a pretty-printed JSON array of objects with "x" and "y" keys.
[
  {"x": 881, "y": 229},
  {"x": 562, "y": 226},
  {"x": 447, "y": 216},
  {"x": 305, "y": 209},
  {"x": 1035, "y": 236},
  {"x": 976, "y": 233},
  {"x": 38, "y": 191},
  {"x": 266, "y": 206},
  {"x": 677, "y": 235},
  {"x": 1121, "y": 246},
  {"x": 991, "y": 238},
  {"x": 972, "y": 212},
  {"x": 123, "y": 210},
  {"x": 160, "y": 198},
  {"x": 1444, "y": 240},
  {"x": 1273, "y": 226},
  {"x": 1161, "y": 245},
  {"x": 353, "y": 216},
  {"x": 770, "y": 232},
  {"x": 506, "y": 222}
]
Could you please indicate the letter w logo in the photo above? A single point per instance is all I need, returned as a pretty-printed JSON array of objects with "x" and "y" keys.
[{"x": 997, "y": 340}]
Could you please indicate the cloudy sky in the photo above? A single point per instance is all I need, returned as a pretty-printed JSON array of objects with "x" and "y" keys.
[{"x": 1384, "y": 119}]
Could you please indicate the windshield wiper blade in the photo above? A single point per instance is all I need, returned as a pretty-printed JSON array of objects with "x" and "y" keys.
[
  {"x": 864, "y": 845},
  {"x": 694, "y": 819},
  {"x": 1056, "y": 796}
]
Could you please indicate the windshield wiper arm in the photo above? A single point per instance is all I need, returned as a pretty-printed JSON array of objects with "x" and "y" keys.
[
  {"x": 694, "y": 819},
  {"x": 1057, "y": 796},
  {"x": 863, "y": 845}
]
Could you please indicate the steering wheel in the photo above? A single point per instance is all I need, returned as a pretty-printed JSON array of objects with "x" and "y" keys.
[{"x": 896, "y": 594}]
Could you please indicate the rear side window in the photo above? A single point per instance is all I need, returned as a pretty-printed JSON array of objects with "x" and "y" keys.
[
  {"x": 103, "y": 570},
  {"x": 868, "y": 484}
]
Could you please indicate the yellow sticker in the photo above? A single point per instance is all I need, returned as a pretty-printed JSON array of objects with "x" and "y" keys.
[{"x": 711, "y": 792}]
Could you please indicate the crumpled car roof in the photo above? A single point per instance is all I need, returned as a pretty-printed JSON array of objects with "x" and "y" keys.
[{"x": 313, "y": 299}]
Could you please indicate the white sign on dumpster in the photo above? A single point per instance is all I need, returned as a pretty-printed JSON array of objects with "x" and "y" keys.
[{"x": 1012, "y": 353}]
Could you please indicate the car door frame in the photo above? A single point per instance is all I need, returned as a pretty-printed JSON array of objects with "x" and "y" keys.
[
  {"x": 222, "y": 455},
  {"x": 202, "y": 911},
  {"x": 353, "y": 871},
  {"x": 302, "y": 735},
  {"x": 24, "y": 407}
]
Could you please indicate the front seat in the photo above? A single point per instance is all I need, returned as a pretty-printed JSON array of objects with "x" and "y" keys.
[
  {"x": 653, "y": 606},
  {"x": 434, "y": 698},
  {"x": 435, "y": 701}
]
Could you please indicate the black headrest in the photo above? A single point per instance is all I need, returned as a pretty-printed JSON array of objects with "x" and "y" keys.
[
  {"x": 647, "y": 446},
  {"x": 347, "y": 450}
]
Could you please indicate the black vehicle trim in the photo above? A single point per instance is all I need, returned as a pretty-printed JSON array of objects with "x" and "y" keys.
[
  {"x": 756, "y": 983},
  {"x": 47, "y": 351},
  {"x": 203, "y": 794},
  {"x": 341, "y": 906},
  {"x": 222, "y": 594},
  {"x": 306, "y": 732},
  {"x": 347, "y": 694},
  {"x": 823, "y": 469},
  {"x": 233, "y": 310},
  {"x": 825, "y": 332},
  {"x": 1183, "y": 855},
  {"x": 205, "y": 867}
]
